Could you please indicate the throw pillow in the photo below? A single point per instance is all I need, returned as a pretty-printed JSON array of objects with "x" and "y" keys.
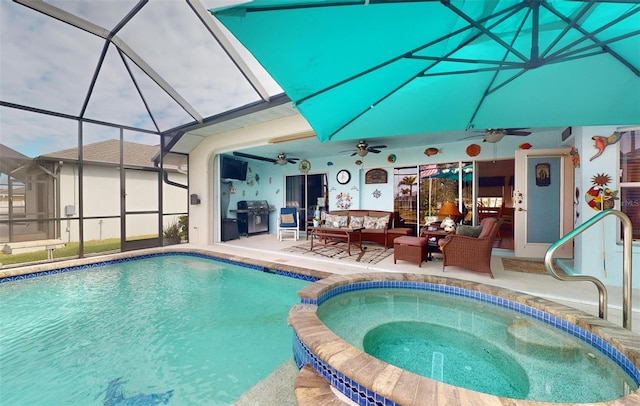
[
  {"x": 342, "y": 220},
  {"x": 287, "y": 219},
  {"x": 382, "y": 222},
  {"x": 369, "y": 222},
  {"x": 469, "y": 231},
  {"x": 329, "y": 219},
  {"x": 356, "y": 222}
]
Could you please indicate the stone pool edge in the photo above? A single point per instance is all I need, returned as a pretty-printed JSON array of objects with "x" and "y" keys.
[
  {"x": 359, "y": 372},
  {"x": 29, "y": 271}
]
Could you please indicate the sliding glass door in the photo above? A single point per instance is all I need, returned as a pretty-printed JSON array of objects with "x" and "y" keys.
[
  {"x": 307, "y": 193},
  {"x": 421, "y": 191}
]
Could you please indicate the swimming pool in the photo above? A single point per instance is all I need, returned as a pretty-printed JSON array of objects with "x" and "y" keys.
[
  {"x": 364, "y": 378},
  {"x": 175, "y": 329}
]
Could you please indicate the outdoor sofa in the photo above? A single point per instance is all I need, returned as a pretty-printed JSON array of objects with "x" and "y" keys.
[{"x": 378, "y": 224}]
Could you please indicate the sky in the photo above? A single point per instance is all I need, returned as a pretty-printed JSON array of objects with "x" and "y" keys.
[{"x": 48, "y": 64}]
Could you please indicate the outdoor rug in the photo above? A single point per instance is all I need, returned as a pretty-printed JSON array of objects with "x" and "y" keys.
[
  {"x": 523, "y": 265},
  {"x": 372, "y": 254}
]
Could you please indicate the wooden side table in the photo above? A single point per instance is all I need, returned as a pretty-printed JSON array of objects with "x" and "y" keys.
[{"x": 440, "y": 233}]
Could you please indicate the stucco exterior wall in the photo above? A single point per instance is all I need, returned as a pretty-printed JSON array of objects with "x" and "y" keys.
[{"x": 101, "y": 190}]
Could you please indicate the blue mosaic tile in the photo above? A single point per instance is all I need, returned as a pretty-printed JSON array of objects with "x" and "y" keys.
[{"x": 186, "y": 254}]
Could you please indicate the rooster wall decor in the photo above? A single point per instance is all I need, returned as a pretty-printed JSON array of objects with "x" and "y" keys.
[{"x": 602, "y": 142}]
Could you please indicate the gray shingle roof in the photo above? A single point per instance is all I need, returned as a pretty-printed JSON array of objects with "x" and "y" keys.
[{"x": 108, "y": 152}]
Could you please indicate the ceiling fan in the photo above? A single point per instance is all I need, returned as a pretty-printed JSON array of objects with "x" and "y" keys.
[
  {"x": 494, "y": 135},
  {"x": 362, "y": 148},
  {"x": 281, "y": 159}
]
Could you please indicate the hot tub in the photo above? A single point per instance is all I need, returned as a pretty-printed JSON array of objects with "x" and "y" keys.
[{"x": 369, "y": 380}]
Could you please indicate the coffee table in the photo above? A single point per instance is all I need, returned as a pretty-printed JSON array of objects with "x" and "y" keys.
[{"x": 334, "y": 236}]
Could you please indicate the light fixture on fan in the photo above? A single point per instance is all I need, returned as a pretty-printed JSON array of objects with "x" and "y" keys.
[{"x": 493, "y": 136}]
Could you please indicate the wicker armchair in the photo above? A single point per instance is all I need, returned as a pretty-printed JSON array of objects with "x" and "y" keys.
[{"x": 470, "y": 252}]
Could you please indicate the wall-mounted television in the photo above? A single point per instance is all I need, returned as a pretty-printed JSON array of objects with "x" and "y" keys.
[{"x": 231, "y": 168}]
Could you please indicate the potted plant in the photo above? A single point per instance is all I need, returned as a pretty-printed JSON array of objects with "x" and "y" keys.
[
  {"x": 317, "y": 219},
  {"x": 171, "y": 234}
]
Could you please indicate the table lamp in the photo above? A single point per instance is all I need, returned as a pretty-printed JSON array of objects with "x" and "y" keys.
[{"x": 448, "y": 209}]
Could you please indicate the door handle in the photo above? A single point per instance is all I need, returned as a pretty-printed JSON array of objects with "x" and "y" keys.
[{"x": 521, "y": 209}]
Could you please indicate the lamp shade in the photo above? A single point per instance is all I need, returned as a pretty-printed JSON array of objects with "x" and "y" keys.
[{"x": 449, "y": 209}]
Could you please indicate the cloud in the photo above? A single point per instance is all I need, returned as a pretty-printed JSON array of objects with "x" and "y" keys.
[{"x": 48, "y": 64}]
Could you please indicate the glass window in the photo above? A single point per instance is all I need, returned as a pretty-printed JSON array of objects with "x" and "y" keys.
[
  {"x": 405, "y": 183},
  {"x": 630, "y": 178},
  {"x": 446, "y": 182}
]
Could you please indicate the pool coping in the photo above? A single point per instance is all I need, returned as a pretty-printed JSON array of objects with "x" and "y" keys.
[
  {"x": 30, "y": 271},
  {"x": 372, "y": 381}
]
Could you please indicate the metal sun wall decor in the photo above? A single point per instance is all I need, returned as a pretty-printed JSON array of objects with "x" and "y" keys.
[{"x": 599, "y": 196}]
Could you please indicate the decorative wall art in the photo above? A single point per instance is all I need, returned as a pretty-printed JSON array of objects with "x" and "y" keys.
[
  {"x": 432, "y": 151},
  {"x": 473, "y": 150},
  {"x": 599, "y": 196},
  {"x": 377, "y": 175},
  {"x": 575, "y": 157},
  {"x": 343, "y": 201},
  {"x": 376, "y": 193},
  {"x": 603, "y": 142},
  {"x": 391, "y": 158},
  {"x": 543, "y": 174},
  {"x": 304, "y": 166}
]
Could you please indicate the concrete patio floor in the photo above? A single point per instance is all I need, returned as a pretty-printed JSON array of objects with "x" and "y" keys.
[{"x": 580, "y": 295}]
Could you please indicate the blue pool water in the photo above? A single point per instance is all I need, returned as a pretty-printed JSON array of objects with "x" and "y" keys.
[
  {"x": 177, "y": 330},
  {"x": 474, "y": 345}
]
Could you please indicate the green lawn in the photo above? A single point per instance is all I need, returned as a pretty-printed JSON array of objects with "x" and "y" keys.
[{"x": 70, "y": 250}]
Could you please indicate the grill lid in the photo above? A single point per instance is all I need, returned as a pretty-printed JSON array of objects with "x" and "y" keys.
[{"x": 253, "y": 205}]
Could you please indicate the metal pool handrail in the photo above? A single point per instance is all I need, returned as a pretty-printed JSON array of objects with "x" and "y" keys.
[{"x": 626, "y": 264}]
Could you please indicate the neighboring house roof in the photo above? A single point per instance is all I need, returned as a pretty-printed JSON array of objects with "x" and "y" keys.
[
  {"x": 108, "y": 152},
  {"x": 11, "y": 159}
]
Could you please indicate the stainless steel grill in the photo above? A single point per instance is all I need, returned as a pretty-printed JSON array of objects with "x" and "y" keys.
[{"x": 253, "y": 216}]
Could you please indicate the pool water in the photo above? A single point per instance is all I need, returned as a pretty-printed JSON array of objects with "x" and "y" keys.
[
  {"x": 177, "y": 330},
  {"x": 474, "y": 345}
]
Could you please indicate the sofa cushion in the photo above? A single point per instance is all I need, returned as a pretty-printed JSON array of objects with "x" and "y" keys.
[
  {"x": 370, "y": 222},
  {"x": 334, "y": 221},
  {"x": 287, "y": 218},
  {"x": 469, "y": 231},
  {"x": 356, "y": 222},
  {"x": 382, "y": 222}
]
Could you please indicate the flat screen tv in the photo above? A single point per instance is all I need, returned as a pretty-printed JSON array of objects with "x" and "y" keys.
[{"x": 231, "y": 168}]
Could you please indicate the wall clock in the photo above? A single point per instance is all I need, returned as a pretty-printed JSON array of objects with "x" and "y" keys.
[{"x": 343, "y": 176}]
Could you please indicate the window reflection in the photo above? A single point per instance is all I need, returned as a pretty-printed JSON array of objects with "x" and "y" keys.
[{"x": 630, "y": 178}]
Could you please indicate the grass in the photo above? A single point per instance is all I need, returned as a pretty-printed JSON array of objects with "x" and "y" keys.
[{"x": 70, "y": 250}]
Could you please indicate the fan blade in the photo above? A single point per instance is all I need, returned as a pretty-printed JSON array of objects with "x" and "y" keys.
[
  {"x": 472, "y": 136},
  {"x": 375, "y": 151},
  {"x": 259, "y": 158},
  {"x": 348, "y": 150},
  {"x": 354, "y": 153},
  {"x": 521, "y": 133},
  {"x": 293, "y": 160},
  {"x": 376, "y": 147}
]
